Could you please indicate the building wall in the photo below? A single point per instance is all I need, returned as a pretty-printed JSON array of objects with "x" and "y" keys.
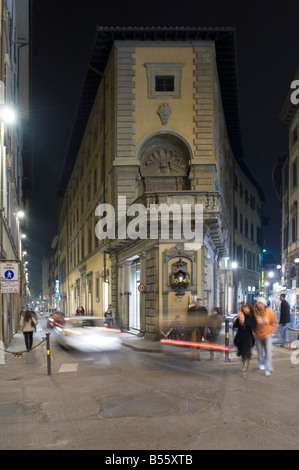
[
  {"x": 13, "y": 75},
  {"x": 151, "y": 148},
  {"x": 290, "y": 200},
  {"x": 247, "y": 241}
]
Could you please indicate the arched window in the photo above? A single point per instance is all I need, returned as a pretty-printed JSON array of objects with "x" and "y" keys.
[{"x": 293, "y": 273}]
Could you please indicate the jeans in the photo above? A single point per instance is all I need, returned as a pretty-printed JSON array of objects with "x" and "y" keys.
[
  {"x": 28, "y": 336},
  {"x": 264, "y": 349},
  {"x": 283, "y": 333}
]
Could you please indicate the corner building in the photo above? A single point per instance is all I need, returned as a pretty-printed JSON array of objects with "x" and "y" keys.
[{"x": 157, "y": 124}]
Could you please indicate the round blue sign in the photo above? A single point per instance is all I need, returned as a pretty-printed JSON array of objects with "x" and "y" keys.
[{"x": 9, "y": 274}]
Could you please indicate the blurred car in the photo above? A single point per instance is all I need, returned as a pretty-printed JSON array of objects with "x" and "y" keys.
[
  {"x": 55, "y": 319},
  {"x": 87, "y": 334}
]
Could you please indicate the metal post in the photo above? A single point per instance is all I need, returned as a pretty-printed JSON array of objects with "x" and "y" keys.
[
  {"x": 227, "y": 341},
  {"x": 48, "y": 353}
]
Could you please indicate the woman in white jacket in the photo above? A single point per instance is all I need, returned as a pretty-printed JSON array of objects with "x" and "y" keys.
[{"x": 28, "y": 323}]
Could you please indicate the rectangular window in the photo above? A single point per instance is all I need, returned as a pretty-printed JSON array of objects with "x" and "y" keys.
[
  {"x": 246, "y": 196},
  {"x": 294, "y": 174},
  {"x": 164, "y": 83},
  {"x": 293, "y": 230},
  {"x": 98, "y": 288},
  {"x": 252, "y": 202},
  {"x": 164, "y": 79},
  {"x": 252, "y": 232}
]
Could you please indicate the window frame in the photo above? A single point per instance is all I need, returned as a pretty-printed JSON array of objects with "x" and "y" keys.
[{"x": 156, "y": 69}]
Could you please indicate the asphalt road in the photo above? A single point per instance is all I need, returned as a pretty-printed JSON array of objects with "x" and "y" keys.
[{"x": 131, "y": 400}]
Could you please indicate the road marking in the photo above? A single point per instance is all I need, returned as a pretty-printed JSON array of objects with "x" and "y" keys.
[{"x": 69, "y": 367}]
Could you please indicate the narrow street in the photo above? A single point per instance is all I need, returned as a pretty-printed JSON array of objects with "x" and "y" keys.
[{"x": 131, "y": 400}]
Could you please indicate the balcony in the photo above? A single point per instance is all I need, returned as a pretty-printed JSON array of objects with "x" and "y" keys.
[{"x": 212, "y": 223}]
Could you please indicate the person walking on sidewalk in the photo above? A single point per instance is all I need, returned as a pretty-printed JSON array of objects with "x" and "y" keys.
[
  {"x": 28, "y": 324},
  {"x": 266, "y": 326},
  {"x": 214, "y": 327},
  {"x": 285, "y": 318},
  {"x": 244, "y": 340},
  {"x": 197, "y": 318}
]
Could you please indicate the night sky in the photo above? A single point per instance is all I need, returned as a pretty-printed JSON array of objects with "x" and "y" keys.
[{"x": 63, "y": 33}]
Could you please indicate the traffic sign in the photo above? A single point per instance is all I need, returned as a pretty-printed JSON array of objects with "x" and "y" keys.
[
  {"x": 11, "y": 287},
  {"x": 9, "y": 270},
  {"x": 10, "y": 274}
]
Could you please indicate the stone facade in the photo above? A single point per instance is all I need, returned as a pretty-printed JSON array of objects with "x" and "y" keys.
[
  {"x": 287, "y": 186},
  {"x": 156, "y": 135}
]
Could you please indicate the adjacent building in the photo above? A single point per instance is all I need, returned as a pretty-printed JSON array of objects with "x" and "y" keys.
[
  {"x": 14, "y": 102},
  {"x": 247, "y": 235},
  {"x": 156, "y": 146},
  {"x": 286, "y": 182}
]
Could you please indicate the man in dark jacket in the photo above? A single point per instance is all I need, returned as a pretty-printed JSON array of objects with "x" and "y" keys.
[
  {"x": 197, "y": 318},
  {"x": 285, "y": 318}
]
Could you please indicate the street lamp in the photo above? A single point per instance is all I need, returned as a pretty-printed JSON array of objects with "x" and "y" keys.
[
  {"x": 229, "y": 266},
  {"x": 8, "y": 115}
]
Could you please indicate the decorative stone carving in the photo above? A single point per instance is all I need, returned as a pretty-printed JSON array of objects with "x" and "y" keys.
[
  {"x": 164, "y": 164},
  {"x": 164, "y": 113},
  {"x": 164, "y": 161}
]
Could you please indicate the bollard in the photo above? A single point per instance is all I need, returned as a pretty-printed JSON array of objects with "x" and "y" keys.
[
  {"x": 48, "y": 353},
  {"x": 226, "y": 341}
]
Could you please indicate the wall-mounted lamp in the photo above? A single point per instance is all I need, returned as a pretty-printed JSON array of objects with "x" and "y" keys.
[{"x": 180, "y": 278}]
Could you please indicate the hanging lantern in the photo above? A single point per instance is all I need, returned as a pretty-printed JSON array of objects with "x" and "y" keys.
[{"x": 179, "y": 278}]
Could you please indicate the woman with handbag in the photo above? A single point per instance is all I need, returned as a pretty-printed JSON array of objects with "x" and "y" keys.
[
  {"x": 28, "y": 323},
  {"x": 244, "y": 340}
]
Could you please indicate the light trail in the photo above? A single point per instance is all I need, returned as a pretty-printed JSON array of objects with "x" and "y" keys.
[{"x": 193, "y": 344}]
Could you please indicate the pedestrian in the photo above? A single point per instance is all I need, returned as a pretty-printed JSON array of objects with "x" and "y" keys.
[
  {"x": 77, "y": 311},
  {"x": 22, "y": 312},
  {"x": 109, "y": 316},
  {"x": 197, "y": 318},
  {"x": 245, "y": 323},
  {"x": 266, "y": 326},
  {"x": 285, "y": 318},
  {"x": 27, "y": 323},
  {"x": 214, "y": 327},
  {"x": 82, "y": 311},
  {"x": 176, "y": 329}
]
